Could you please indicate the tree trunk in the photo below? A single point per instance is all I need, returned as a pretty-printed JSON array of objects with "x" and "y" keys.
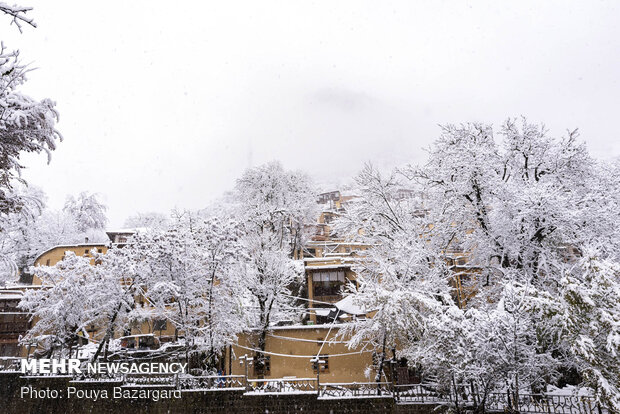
[
  {"x": 109, "y": 333},
  {"x": 456, "y": 396},
  {"x": 259, "y": 363},
  {"x": 260, "y": 357},
  {"x": 381, "y": 362}
]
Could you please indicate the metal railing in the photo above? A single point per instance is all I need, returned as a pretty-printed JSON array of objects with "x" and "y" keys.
[
  {"x": 158, "y": 380},
  {"x": 543, "y": 404},
  {"x": 282, "y": 385},
  {"x": 355, "y": 389},
  {"x": 10, "y": 363},
  {"x": 212, "y": 382},
  {"x": 421, "y": 393},
  {"x": 86, "y": 376}
]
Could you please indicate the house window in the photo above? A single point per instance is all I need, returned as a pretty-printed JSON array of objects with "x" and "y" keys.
[
  {"x": 9, "y": 349},
  {"x": 47, "y": 262},
  {"x": 323, "y": 363},
  {"x": 159, "y": 325},
  {"x": 262, "y": 366},
  {"x": 99, "y": 250},
  {"x": 327, "y": 283},
  {"x": 310, "y": 253}
]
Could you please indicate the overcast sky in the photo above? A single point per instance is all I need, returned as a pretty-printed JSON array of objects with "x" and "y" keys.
[{"x": 164, "y": 104}]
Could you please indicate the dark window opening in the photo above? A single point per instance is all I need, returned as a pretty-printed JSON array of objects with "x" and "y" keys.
[
  {"x": 262, "y": 365},
  {"x": 310, "y": 253},
  {"x": 327, "y": 283},
  {"x": 323, "y": 362},
  {"x": 160, "y": 325}
]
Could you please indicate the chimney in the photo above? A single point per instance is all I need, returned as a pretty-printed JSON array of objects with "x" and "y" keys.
[{"x": 85, "y": 239}]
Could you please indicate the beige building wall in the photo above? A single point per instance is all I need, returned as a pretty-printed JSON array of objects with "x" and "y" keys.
[
  {"x": 297, "y": 345},
  {"x": 55, "y": 255}
]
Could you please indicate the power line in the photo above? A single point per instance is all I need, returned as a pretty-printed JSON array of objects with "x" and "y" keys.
[
  {"x": 299, "y": 356},
  {"x": 305, "y": 340},
  {"x": 308, "y": 300}
]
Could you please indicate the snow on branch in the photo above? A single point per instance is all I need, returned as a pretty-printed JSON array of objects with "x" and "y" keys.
[{"x": 18, "y": 15}]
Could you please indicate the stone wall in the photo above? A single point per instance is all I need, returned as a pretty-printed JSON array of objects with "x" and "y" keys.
[{"x": 195, "y": 402}]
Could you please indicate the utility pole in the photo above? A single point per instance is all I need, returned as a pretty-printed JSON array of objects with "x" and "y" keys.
[{"x": 318, "y": 363}]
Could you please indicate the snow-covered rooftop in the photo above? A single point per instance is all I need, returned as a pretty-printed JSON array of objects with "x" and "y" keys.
[{"x": 346, "y": 305}]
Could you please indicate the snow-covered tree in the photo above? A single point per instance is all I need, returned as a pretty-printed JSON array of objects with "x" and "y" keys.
[
  {"x": 510, "y": 204},
  {"x": 520, "y": 209},
  {"x": 88, "y": 211},
  {"x": 64, "y": 307},
  {"x": 190, "y": 276},
  {"x": 26, "y": 124},
  {"x": 172, "y": 275},
  {"x": 584, "y": 319},
  {"x": 16, "y": 232},
  {"x": 510, "y": 220},
  {"x": 17, "y": 14},
  {"x": 220, "y": 304},
  {"x": 397, "y": 281},
  {"x": 508, "y": 341},
  {"x": 150, "y": 220},
  {"x": 188, "y": 273},
  {"x": 26, "y": 233},
  {"x": 273, "y": 206},
  {"x": 81, "y": 291},
  {"x": 119, "y": 283}
]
